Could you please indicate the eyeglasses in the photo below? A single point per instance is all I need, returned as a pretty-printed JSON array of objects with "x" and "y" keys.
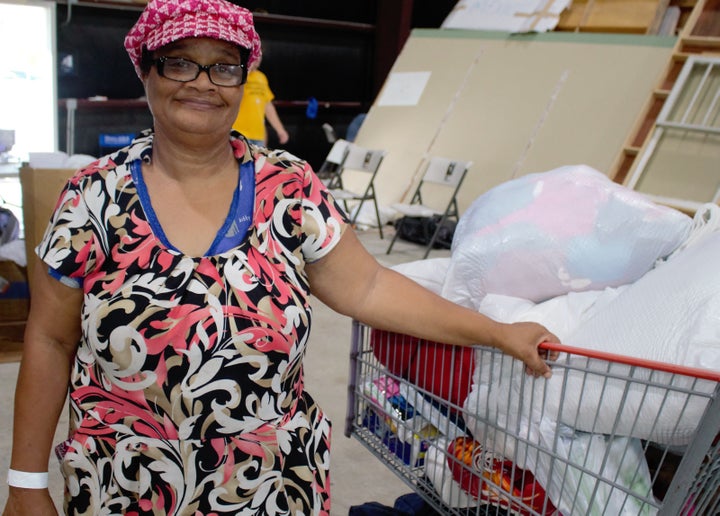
[{"x": 184, "y": 70}]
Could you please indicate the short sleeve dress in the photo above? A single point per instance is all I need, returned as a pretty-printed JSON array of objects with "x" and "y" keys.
[{"x": 186, "y": 391}]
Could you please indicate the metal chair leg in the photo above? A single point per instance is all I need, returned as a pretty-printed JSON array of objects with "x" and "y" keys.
[{"x": 399, "y": 223}]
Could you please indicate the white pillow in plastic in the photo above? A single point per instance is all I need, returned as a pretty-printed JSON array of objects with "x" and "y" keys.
[
  {"x": 429, "y": 273},
  {"x": 571, "y": 229},
  {"x": 670, "y": 315}
]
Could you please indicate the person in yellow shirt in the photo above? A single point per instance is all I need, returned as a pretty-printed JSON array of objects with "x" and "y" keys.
[{"x": 257, "y": 106}]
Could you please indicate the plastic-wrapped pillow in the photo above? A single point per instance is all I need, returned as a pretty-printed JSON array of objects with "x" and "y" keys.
[
  {"x": 429, "y": 273},
  {"x": 670, "y": 315},
  {"x": 547, "y": 234}
]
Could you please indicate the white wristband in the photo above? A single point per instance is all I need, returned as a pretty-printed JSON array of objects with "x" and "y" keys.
[{"x": 27, "y": 480}]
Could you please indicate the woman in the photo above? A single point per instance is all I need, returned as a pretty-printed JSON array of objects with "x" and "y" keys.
[{"x": 174, "y": 302}]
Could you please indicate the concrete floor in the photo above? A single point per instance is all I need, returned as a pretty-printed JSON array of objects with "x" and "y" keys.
[{"x": 357, "y": 475}]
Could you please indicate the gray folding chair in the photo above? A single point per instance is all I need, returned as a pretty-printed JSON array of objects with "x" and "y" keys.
[
  {"x": 442, "y": 174},
  {"x": 359, "y": 162},
  {"x": 329, "y": 171}
]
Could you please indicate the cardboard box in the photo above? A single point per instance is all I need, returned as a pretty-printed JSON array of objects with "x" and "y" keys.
[
  {"x": 41, "y": 189},
  {"x": 14, "y": 292}
]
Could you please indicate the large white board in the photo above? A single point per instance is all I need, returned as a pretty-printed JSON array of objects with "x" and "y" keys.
[{"x": 513, "y": 104}]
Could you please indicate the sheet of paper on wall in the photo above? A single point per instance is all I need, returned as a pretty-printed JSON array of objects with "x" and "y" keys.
[
  {"x": 403, "y": 89},
  {"x": 506, "y": 15}
]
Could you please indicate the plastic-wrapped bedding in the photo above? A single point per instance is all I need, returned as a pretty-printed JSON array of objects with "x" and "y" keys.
[
  {"x": 671, "y": 315},
  {"x": 570, "y": 229},
  {"x": 604, "y": 268},
  {"x": 515, "y": 407}
]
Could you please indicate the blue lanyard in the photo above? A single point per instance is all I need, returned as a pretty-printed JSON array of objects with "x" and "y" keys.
[
  {"x": 237, "y": 223},
  {"x": 233, "y": 232}
]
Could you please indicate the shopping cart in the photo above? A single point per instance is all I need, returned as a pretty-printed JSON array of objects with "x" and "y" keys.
[{"x": 471, "y": 433}]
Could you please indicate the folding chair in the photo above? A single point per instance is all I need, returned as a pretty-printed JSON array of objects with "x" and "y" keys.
[
  {"x": 366, "y": 161},
  {"x": 329, "y": 171},
  {"x": 442, "y": 172},
  {"x": 329, "y": 133}
]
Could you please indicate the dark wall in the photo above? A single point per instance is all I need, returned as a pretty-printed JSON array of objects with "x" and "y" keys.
[
  {"x": 307, "y": 138},
  {"x": 429, "y": 14},
  {"x": 94, "y": 37},
  {"x": 329, "y": 63},
  {"x": 362, "y": 11}
]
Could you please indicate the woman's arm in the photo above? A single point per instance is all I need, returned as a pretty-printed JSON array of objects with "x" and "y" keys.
[
  {"x": 51, "y": 338},
  {"x": 350, "y": 281}
]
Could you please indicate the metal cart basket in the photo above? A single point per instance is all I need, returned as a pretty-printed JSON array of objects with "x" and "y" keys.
[{"x": 472, "y": 433}]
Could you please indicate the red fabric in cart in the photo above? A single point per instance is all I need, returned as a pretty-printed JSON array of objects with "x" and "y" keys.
[
  {"x": 496, "y": 482},
  {"x": 441, "y": 369}
]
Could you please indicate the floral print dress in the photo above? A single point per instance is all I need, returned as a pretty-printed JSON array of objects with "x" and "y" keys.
[{"x": 186, "y": 391}]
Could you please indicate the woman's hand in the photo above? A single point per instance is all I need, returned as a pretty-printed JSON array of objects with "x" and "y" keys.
[
  {"x": 29, "y": 502},
  {"x": 521, "y": 340}
]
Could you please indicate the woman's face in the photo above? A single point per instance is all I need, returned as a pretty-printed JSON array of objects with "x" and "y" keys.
[{"x": 198, "y": 106}]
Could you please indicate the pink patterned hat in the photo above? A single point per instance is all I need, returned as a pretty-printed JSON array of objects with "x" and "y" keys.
[{"x": 165, "y": 21}]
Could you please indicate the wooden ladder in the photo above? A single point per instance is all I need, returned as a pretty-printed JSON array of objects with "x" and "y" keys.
[{"x": 700, "y": 35}]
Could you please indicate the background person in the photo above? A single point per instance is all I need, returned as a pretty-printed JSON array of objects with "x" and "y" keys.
[
  {"x": 173, "y": 301},
  {"x": 257, "y": 106}
]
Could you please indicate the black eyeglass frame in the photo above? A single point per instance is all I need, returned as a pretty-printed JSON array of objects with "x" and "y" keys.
[{"x": 159, "y": 63}]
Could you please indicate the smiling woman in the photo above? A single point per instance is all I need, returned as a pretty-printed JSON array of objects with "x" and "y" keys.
[
  {"x": 174, "y": 302},
  {"x": 181, "y": 85}
]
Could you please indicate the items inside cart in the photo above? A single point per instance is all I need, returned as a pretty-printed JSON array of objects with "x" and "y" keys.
[
  {"x": 628, "y": 423},
  {"x": 472, "y": 433}
]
